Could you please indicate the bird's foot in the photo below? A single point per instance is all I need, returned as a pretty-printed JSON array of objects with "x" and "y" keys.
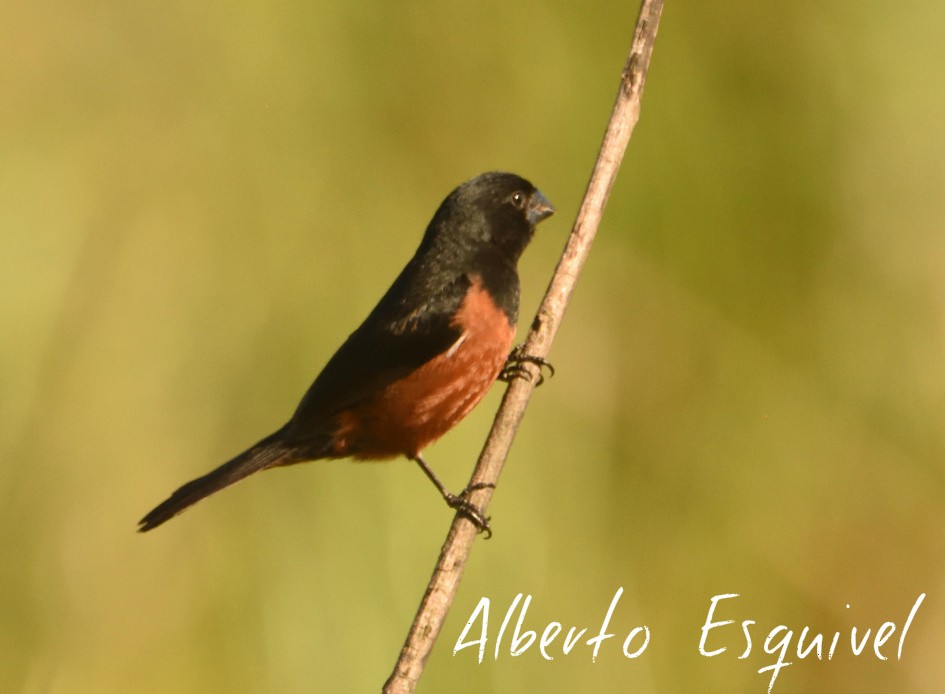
[
  {"x": 461, "y": 503},
  {"x": 514, "y": 366}
]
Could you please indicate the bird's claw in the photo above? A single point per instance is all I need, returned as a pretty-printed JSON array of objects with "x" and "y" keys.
[
  {"x": 460, "y": 502},
  {"x": 514, "y": 366}
]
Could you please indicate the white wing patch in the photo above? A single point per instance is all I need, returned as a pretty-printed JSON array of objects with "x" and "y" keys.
[{"x": 455, "y": 346}]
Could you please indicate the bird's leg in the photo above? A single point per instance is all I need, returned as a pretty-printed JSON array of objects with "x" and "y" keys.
[
  {"x": 459, "y": 502},
  {"x": 513, "y": 366}
]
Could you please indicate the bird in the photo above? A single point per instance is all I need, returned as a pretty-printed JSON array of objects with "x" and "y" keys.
[{"x": 422, "y": 359}]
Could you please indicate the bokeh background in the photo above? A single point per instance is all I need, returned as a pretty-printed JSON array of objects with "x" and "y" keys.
[{"x": 198, "y": 202}]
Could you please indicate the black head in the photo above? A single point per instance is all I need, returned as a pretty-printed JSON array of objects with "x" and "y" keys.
[{"x": 491, "y": 215}]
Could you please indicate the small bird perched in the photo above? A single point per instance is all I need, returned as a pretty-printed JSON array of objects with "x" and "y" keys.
[{"x": 422, "y": 359}]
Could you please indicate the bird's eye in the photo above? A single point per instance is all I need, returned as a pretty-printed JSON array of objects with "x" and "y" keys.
[{"x": 518, "y": 199}]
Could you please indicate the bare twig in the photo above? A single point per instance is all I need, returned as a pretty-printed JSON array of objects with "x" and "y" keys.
[{"x": 449, "y": 569}]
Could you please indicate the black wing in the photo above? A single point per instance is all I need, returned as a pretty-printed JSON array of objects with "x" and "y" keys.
[{"x": 400, "y": 335}]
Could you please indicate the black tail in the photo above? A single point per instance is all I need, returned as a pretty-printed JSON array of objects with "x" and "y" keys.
[{"x": 269, "y": 452}]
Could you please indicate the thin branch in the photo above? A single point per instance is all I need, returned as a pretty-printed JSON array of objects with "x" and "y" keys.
[{"x": 449, "y": 569}]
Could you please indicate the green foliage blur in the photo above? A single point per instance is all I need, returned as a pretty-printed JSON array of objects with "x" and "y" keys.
[{"x": 198, "y": 202}]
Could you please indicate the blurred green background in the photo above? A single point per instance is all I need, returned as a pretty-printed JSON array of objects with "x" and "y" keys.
[{"x": 199, "y": 202}]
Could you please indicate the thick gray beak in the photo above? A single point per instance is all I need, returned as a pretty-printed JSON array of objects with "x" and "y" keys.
[{"x": 539, "y": 208}]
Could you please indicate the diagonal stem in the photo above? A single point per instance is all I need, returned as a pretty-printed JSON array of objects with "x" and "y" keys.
[{"x": 449, "y": 568}]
